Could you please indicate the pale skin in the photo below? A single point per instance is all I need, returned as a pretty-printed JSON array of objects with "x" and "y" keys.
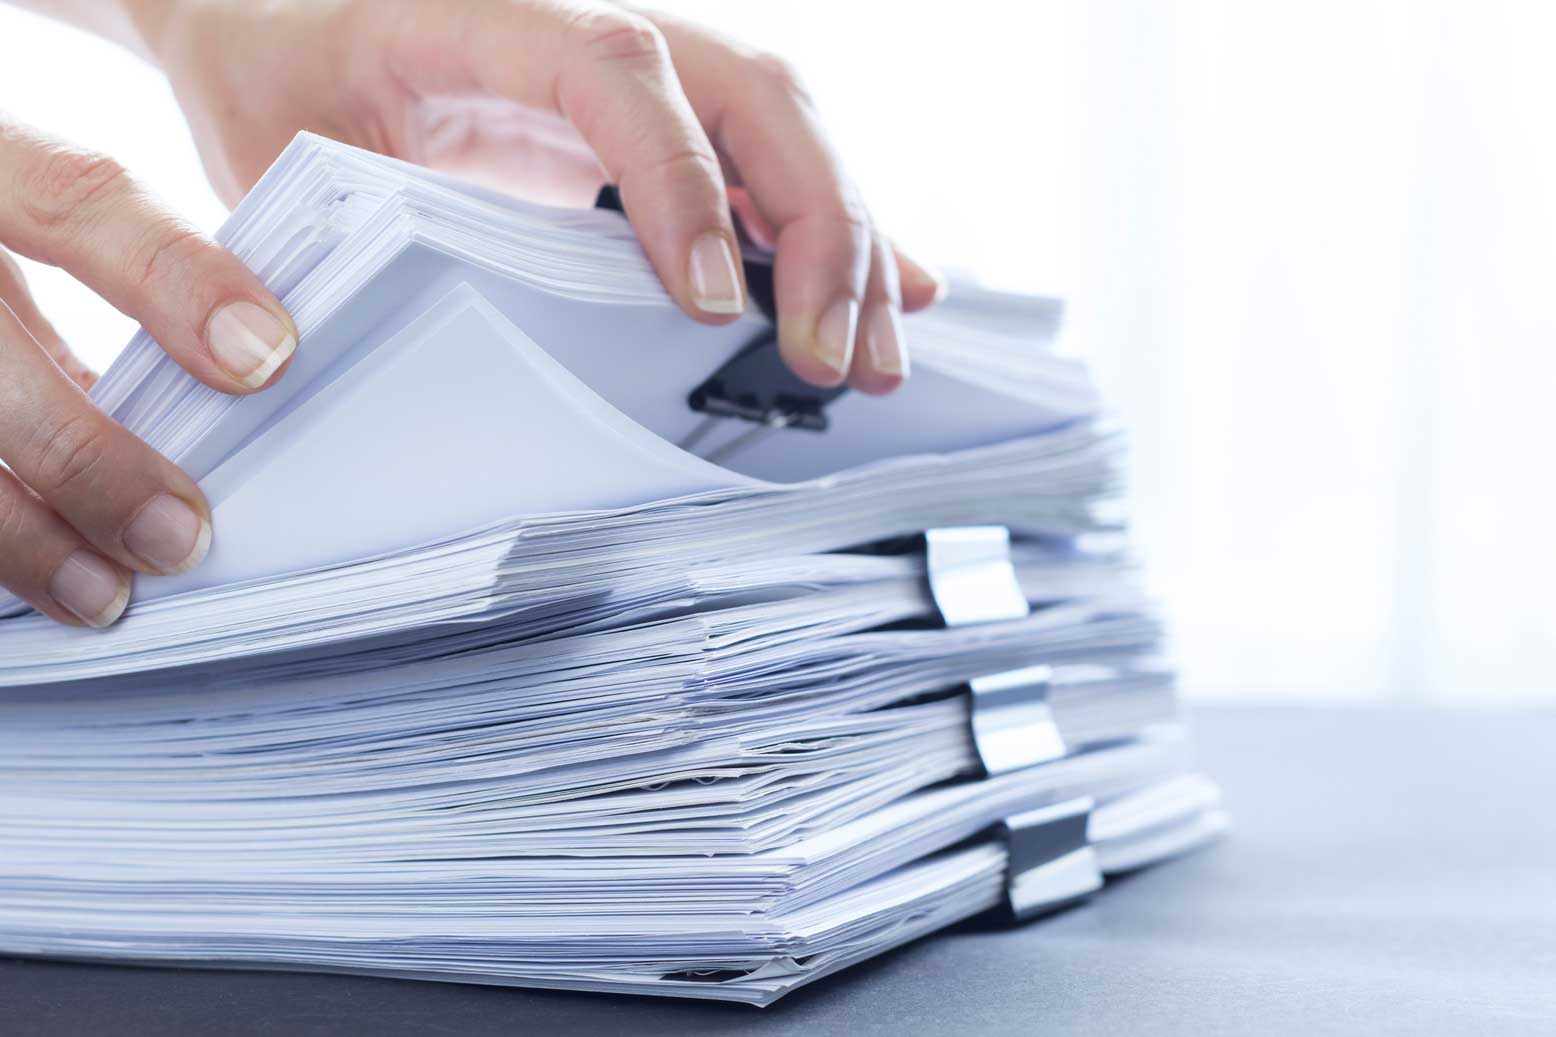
[{"x": 546, "y": 98}]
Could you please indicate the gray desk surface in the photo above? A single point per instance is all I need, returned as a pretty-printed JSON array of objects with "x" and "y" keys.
[{"x": 1389, "y": 872}]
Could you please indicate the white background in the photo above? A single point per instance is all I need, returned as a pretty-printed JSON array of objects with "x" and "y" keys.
[{"x": 1310, "y": 247}]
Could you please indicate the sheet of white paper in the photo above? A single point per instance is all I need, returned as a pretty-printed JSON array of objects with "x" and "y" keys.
[{"x": 459, "y": 421}]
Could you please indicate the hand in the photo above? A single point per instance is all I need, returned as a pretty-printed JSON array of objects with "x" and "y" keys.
[
  {"x": 85, "y": 504},
  {"x": 536, "y": 96}
]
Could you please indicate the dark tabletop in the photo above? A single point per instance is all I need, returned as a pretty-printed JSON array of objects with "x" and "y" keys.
[{"x": 1389, "y": 871}]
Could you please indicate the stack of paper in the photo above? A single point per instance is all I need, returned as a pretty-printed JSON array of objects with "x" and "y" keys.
[{"x": 510, "y": 665}]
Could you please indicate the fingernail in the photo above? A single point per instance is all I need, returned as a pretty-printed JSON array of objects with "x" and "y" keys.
[
  {"x": 715, "y": 281},
  {"x": 942, "y": 286},
  {"x": 835, "y": 336},
  {"x": 883, "y": 341},
  {"x": 93, "y": 590},
  {"x": 168, "y": 535},
  {"x": 249, "y": 342}
]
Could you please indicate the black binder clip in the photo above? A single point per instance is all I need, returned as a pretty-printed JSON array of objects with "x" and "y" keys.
[{"x": 754, "y": 385}]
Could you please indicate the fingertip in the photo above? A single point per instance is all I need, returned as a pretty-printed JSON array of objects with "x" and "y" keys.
[
  {"x": 824, "y": 355},
  {"x": 882, "y": 364},
  {"x": 874, "y": 383},
  {"x": 170, "y": 535},
  {"x": 250, "y": 343},
  {"x": 115, "y": 610},
  {"x": 804, "y": 362},
  {"x": 715, "y": 320},
  {"x": 922, "y": 286},
  {"x": 90, "y": 588},
  {"x": 714, "y": 279},
  {"x": 922, "y": 295}
]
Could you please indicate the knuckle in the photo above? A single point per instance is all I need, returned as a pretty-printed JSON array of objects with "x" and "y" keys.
[
  {"x": 613, "y": 35},
  {"x": 70, "y": 453},
  {"x": 851, "y": 216},
  {"x": 67, "y": 180},
  {"x": 780, "y": 74},
  {"x": 164, "y": 248},
  {"x": 686, "y": 165},
  {"x": 13, "y": 517}
]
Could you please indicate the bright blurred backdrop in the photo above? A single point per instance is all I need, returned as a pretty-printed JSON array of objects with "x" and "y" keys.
[{"x": 1309, "y": 248}]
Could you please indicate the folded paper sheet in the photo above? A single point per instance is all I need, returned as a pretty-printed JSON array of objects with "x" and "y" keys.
[{"x": 490, "y": 678}]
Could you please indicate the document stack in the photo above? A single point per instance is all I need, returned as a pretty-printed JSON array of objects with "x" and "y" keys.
[{"x": 549, "y": 639}]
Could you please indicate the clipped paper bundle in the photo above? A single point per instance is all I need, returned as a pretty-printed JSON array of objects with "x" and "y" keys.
[{"x": 552, "y": 640}]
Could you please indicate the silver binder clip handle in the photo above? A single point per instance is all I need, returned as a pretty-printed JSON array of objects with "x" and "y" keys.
[
  {"x": 973, "y": 580},
  {"x": 1052, "y": 863},
  {"x": 971, "y": 576},
  {"x": 1012, "y": 724}
]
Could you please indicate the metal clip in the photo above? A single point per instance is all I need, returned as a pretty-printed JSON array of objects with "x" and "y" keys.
[
  {"x": 1012, "y": 724},
  {"x": 754, "y": 386},
  {"x": 971, "y": 576},
  {"x": 1052, "y": 863},
  {"x": 973, "y": 580},
  {"x": 757, "y": 387}
]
